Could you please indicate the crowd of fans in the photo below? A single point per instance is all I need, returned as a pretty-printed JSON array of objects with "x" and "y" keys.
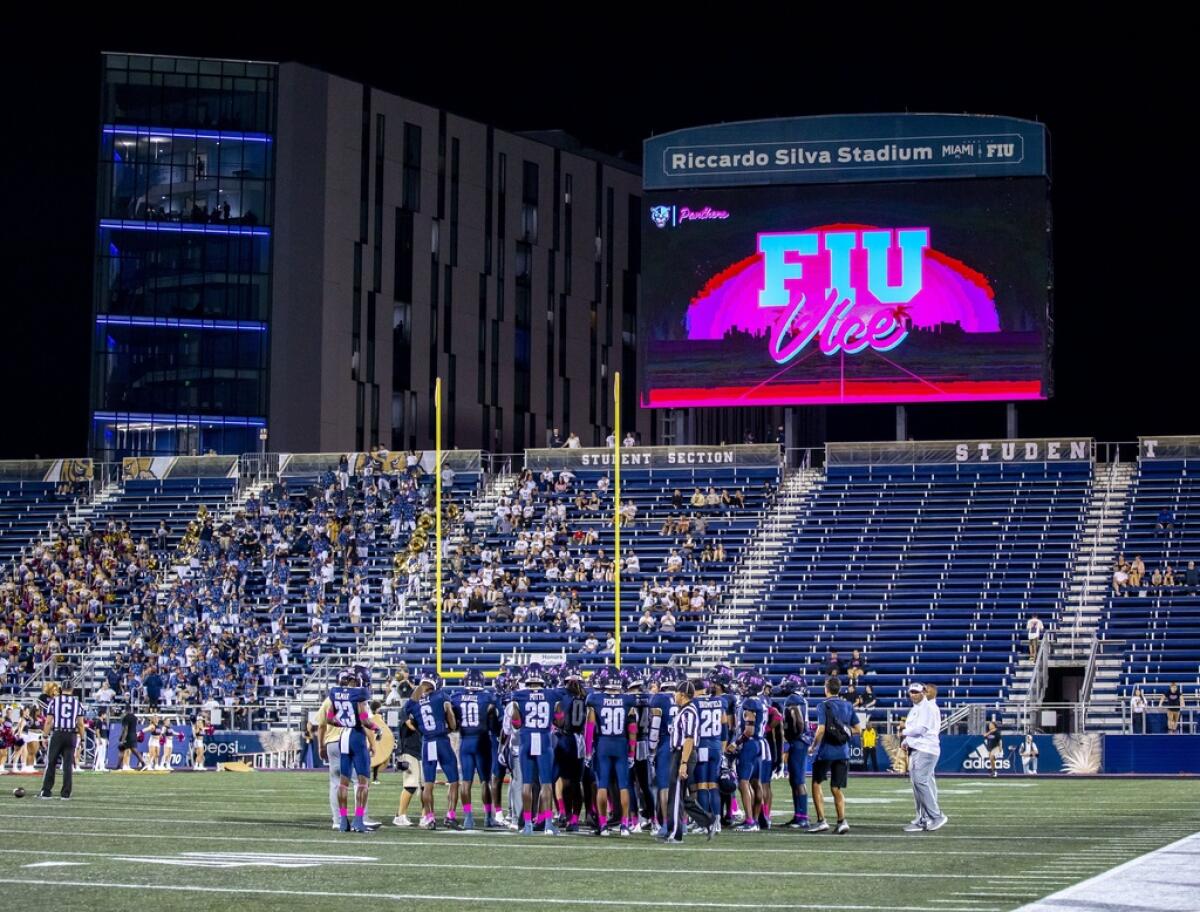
[
  {"x": 235, "y": 627},
  {"x": 66, "y": 586},
  {"x": 524, "y": 566}
]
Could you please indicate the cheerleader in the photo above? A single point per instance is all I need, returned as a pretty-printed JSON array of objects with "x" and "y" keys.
[
  {"x": 31, "y": 736},
  {"x": 165, "y": 747},
  {"x": 199, "y": 729},
  {"x": 153, "y": 736}
]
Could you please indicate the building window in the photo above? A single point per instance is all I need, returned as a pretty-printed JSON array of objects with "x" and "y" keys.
[{"x": 411, "y": 195}]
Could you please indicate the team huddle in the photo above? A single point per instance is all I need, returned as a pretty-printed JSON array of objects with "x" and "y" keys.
[{"x": 618, "y": 754}]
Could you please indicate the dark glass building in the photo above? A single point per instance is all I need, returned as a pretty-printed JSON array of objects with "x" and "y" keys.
[
  {"x": 182, "y": 300},
  {"x": 278, "y": 247}
]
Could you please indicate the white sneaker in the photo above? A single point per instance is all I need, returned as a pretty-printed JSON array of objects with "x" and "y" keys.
[
  {"x": 401, "y": 821},
  {"x": 842, "y": 828},
  {"x": 938, "y": 823}
]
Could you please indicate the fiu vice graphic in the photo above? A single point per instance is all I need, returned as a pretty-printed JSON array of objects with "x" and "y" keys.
[{"x": 842, "y": 288}]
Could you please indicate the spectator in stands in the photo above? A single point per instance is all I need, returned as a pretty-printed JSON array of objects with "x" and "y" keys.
[
  {"x": 677, "y": 500},
  {"x": 590, "y": 646},
  {"x": 629, "y": 440},
  {"x": 712, "y": 499},
  {"x": 647, "y": 623},
  {"x": 1156, "y": 579},
  {"x": 833, "y": 665},
  {"x": 1191, "y": 578},
  {"x": 1137, "y": 709},
  {"x": 628, "y": 513},
  {"x": 1033, "y": 633},
  {"x": 739, "y": 497},
  {"x": 666, "y": 623},
  {"x": 1173, "y": 701},
  {"x": 856, "y": 667},
  {"x": 573, "y": 442},
  {"x": 1165, "y": 523},
  {"x": 556, "y": 440},
  {"x": 1169, "y": 577},
  {"x": 697, "y": 500},
  {"x": 1120, "y": 577},
  {"x": 610, "y": 646}
]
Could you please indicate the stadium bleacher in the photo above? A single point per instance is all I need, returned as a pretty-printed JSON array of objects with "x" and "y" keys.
[
  {"x": 931, "y": 571},
  {"x": 1158, "y": 625}
]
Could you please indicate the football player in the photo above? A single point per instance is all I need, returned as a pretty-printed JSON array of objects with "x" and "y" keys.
[
  {"x": 349, "y": 710},
  {"x": 662, "y": 713},
  {"x": 749, "y": 747},
  {"x": 796, "y": 741},
  {"x": 568, "y": 749},
  {"x": 430, "y": 713},
  {"x": 475, "y": 710},
  {"x": 534, "y": 711},
  {"x": 610, "y": 741}
]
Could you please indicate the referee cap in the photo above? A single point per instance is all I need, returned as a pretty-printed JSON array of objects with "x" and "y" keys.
[{"x": 916, "y": 687}]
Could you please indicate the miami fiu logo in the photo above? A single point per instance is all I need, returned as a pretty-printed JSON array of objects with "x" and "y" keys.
[
  {"x": 660, "y": 215},
  {"x": 817, "y": 277}
]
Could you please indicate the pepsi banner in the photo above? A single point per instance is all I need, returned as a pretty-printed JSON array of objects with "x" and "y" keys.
[
  {"x": 845, "y": 147},
  {"x": 929, "y": 291}
]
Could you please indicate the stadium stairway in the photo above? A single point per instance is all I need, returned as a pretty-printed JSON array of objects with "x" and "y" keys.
[
  {"x": 394, "y": 626},
  {"x": 932, "y": 571},
  {"x": 1149, "y": 637},
  {"x": 1073, "y": 628},
  {"x": 141, "y": 504},
  {"x": 99, "y": 658},
  {"x": 732, "y": 620}
]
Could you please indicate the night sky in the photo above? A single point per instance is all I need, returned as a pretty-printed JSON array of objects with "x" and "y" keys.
[{"x": 1122, "y": 181}]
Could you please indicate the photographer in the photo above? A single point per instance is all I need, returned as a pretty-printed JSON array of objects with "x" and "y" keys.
[{"x": 408, "y": 746}]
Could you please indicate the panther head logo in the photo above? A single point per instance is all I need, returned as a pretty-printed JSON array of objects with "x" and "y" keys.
[{"x": 660, "y": 215}]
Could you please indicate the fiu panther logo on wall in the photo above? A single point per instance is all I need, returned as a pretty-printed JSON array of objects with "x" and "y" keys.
[{"x": 660, "y": 215}]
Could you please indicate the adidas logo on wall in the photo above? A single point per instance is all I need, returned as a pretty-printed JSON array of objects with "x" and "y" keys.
[{"x": 978, "y": 760}]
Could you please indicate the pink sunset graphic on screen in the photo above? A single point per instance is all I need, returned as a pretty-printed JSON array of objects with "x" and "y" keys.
[{"x": 947, "y": 292}]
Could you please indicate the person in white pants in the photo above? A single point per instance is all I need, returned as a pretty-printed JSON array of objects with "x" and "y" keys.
[
  {"x": 1029, "y": 756},
  {"x": 331, "y": 735},
  {"x": 921, "y": 733}
]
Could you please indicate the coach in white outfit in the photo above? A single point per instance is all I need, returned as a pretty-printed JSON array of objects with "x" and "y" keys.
[{"x": 921, "y": 731}]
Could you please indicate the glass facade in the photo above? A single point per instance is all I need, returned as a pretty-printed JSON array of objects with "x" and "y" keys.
[{"x": 182, "y": 284}]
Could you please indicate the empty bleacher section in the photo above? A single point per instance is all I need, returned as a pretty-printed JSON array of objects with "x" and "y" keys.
[
  {"x": 1150, "y": 633},
  {"x": 930, "y": 566}
]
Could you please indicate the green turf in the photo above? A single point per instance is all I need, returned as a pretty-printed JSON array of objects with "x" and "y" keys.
[{"x": 1009, "y": 841}]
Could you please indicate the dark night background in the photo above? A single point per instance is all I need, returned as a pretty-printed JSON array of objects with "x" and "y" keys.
[{"x": 1121, "y": 170}]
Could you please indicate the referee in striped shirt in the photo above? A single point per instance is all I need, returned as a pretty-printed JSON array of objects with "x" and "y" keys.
[
  {"x": 684, "y": 757},
  {"x": 64, "y": 724}
]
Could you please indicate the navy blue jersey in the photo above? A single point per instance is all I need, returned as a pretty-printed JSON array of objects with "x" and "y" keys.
[
  {"x": 344, "y": 702},
  {"x": 712, "y": 712},
  {"x": 641, "y": 704},
  {"x": 536, "y": 708},
  {"x": 795, "y": 730},
  {"x": 729, "y": 703},
  {"x": 574, "y": 713},
  {"x": 662, "y": 711},
  {"x": 472, "y": 707},
  {"x": 613, "y": 714},
  {"x": 429, "y": 714},
  {"x": 753, "y": 713}
]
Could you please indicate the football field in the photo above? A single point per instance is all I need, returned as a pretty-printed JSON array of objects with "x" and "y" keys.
[{"x": 263, "y": 841}]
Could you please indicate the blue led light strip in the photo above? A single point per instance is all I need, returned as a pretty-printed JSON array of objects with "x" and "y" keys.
[
  {"x": 195, "y": 228},
  {"x": 168, "y": 418},
  {"x": 219, "y": 135},
  {"x": 176, "y": 323}
]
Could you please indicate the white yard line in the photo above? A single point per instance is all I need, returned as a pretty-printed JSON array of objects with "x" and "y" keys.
[
  {"x": 833, "y": 844},
  {"x": 436, "y": 897},
  {"x": 348, "y": 860}
]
